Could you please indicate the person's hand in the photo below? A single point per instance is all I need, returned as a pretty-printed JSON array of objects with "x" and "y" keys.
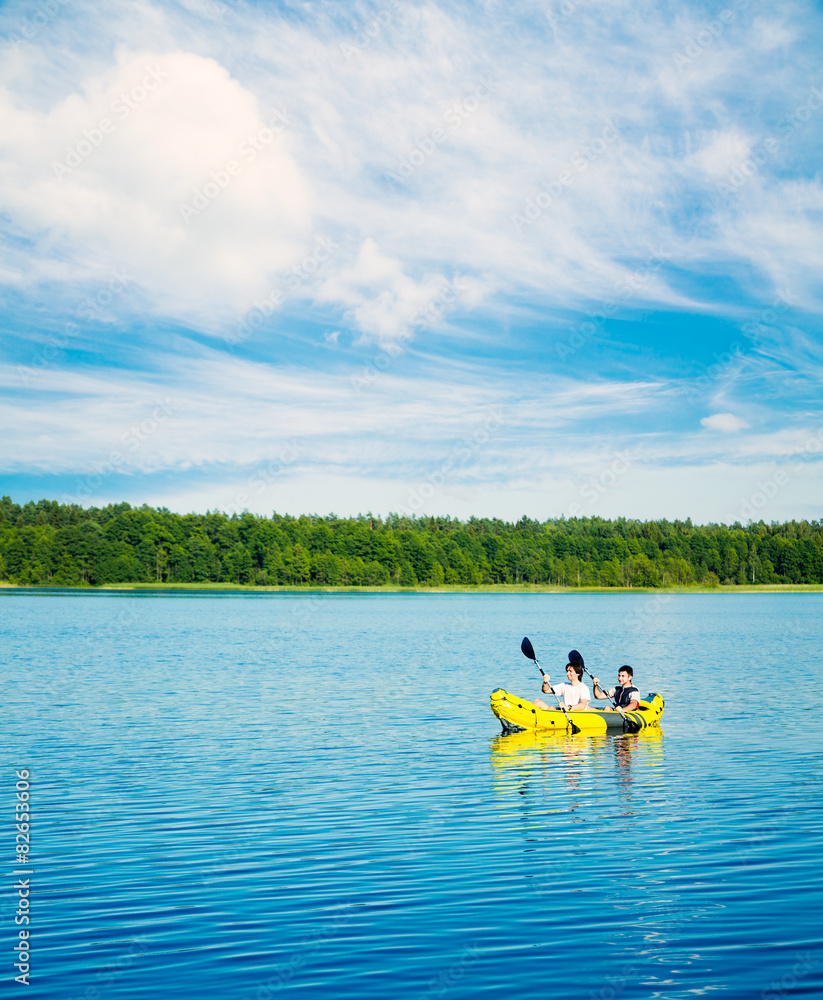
[{"x": 596, "y": 681}]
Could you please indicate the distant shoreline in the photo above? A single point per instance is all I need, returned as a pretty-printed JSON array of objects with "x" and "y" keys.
[
  {"x": 501, "y": 588},
  {"x": 46, "y": 544}
]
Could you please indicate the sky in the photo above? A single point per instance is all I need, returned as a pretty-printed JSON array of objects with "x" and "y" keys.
[{"x": 468, "y": 259}]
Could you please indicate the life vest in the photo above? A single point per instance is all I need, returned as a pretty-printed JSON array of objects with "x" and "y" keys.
[{"x": 623, "y": 696}]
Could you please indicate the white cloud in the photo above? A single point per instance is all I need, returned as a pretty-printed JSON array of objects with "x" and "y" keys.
[
  {"x": 231, "y": 413},
  {"x": 165, "y": 166},
  {"x": 400, "y": 306},
  {"x": 463, "y": 440},
  {"x": 727, "y": 422},
  {"x": 490, "y": 121},
  {"x": 720, "y": 152},
  {"x": 409, "y": 155}
]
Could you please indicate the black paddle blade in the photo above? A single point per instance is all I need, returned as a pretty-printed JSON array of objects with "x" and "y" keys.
[
  {"x": 527, "y": 649},
  {"x": 575, "y": 657}
]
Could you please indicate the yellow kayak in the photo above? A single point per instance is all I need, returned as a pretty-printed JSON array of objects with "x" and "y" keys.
[{"x": 516, "y": 714}]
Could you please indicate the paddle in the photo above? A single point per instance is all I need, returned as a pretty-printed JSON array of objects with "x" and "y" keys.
[
  {"x": 527, "y": 650},
  {"x": 575, "y": 657}
]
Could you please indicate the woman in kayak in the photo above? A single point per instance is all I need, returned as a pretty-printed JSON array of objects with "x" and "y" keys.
[{"x": 574, "y": 695}]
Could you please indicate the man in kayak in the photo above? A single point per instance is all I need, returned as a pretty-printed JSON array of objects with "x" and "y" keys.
[
  {"x": 626, "y": 696},
  {"x": 574, "y": 695}
]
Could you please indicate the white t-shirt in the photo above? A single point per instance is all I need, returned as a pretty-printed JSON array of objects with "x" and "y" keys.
[{"x": 571, "y": 696}]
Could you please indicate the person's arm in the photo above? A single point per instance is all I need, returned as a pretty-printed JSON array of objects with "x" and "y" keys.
[
  {"x": 548, "y": 689},
  {"x": 585, "y": 698},
  {"x": 559, "y": 692},
  {"x": 598, "y": 691},
  {"x": 633, "y": 704}
]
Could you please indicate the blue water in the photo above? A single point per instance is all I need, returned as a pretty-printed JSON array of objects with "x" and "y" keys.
[{"x": 250, "y": 796}]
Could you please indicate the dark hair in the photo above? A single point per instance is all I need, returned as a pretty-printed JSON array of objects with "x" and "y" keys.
[
  {"x": 628, "y": 670},
  {"x": 577, "y": 669}
]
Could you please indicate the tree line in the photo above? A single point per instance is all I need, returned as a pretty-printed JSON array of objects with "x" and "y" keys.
[{"x": 51, "y": 544}]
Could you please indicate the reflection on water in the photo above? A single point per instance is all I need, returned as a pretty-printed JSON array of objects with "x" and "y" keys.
[{"x": 564, "y": 771}]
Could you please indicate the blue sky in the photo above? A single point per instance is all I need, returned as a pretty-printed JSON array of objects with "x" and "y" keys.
[{"x": 557, "y": 258}]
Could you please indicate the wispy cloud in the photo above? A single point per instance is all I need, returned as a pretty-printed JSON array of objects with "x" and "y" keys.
[
  {"x": 488, "y": 186},
  {"x": 727, "y": 422},
  {"x": 488, "y": 124}
]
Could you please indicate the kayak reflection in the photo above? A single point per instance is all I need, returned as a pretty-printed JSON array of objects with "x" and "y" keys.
[{"x": 530, "y": 764}]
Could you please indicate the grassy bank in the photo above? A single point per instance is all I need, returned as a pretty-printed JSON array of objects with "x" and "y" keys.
[{"x": 498, "y": 588}]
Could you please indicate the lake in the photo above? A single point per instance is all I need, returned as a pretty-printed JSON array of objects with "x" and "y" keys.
[{"x": 249, "y": 795}]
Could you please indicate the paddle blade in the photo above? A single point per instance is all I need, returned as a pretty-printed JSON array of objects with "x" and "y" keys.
[
  {"x": 527, "y": 649},
  {"x": 575, "y": 657}
]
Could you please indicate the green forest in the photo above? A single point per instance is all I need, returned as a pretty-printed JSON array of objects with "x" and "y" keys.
[{"x": 52, "y": 544}]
